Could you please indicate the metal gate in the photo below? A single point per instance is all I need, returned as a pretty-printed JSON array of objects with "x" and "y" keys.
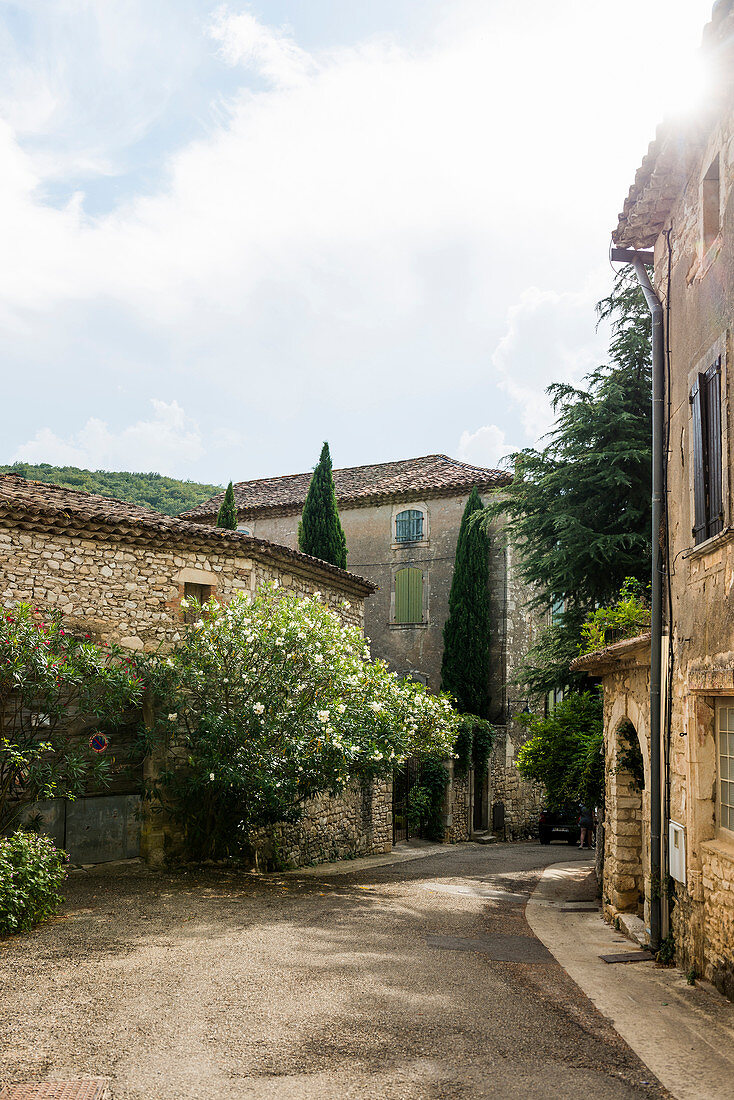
[{"x": 404, "y": 779}]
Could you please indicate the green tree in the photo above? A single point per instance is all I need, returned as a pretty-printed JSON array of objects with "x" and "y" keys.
[
  {"x": 320, "y": 531},
  {"x": 164, "y": 494},
  {"x": 465, "y": 665},
  {"x": 579, "y": 509},
  {"x": 564, "y": 751},
  {"x": 227, "y": 515}
]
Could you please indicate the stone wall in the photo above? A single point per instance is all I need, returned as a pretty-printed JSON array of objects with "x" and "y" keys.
[
  {"x": 522, "y": 798},
  {"x": 131, "y": 594},
  {"x": 459, "y": 824},
  {"x": 356, "y": 823}
]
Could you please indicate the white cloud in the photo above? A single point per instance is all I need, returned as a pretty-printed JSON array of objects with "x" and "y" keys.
[
  {"x": 169, "y": 443},
  {"x": 269, "y": 51},
  {"x": 487, "y": 446},
  {"x": 550, "y": 337}
]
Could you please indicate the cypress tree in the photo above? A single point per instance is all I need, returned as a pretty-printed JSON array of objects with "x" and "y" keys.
[
  {"x": 227, "y": 516},
  {"x": 320, "y": 531},
  {"x": 465, "y": 666}
]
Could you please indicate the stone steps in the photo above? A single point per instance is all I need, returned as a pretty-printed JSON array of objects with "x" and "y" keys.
[{"x": 483, "y": 836}]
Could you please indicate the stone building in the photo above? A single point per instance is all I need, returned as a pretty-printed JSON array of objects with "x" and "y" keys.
[
  {"x": 119, "y": 573},
  {"x": 681, "y": 204},
  {"x": 401, "y": 521}
]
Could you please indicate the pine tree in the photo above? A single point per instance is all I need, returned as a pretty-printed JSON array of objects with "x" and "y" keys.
[
  {"x": 578, "y": 511},
  {"x": 465, "y": 667},
  {"x": 320, "y": 531},
  {"x": 227, "y": 516}
]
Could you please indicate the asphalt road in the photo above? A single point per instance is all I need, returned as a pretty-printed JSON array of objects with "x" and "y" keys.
[{"x": 416, "y": 980}]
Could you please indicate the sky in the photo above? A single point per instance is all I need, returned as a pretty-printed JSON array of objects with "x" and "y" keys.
[{"x": 229, "y": 232}]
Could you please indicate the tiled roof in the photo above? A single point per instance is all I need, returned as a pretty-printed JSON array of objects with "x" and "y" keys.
[
  {"x": 432, "y": 475},
  {"x": 671, "y": 157},
  {"x": 34, "y": 505}
]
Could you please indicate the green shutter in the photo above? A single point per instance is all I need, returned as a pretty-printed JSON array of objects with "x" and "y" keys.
[{"x": 409, "y": 596}]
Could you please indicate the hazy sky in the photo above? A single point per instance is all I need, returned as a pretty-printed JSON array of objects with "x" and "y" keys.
[{"x": 230, "y": 232}]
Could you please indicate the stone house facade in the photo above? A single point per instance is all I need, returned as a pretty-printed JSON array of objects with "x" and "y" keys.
[
  {"x": 681, "y": 204},
  {"x": 401, "y": 521},
  {"x": 119, "y": 572}
]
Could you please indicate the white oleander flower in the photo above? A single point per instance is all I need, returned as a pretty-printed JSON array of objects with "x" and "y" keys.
[
  {"x": 341, "y": 708},
  {"x": 258, "y": 708},
  {"x": 172, "y": 717},
  {"x": 323, "y": 716},
  {"x": 211, "y": 776},
  {"x": 317, "y": 658}
]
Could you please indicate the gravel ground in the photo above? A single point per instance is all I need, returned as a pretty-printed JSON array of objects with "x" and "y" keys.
[{"x": 411, "y": 981}]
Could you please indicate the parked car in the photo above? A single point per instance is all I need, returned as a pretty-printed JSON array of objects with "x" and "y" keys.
[{"x": 559, "y": 825}]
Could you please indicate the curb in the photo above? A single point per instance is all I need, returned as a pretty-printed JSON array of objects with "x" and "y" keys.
[{"x": 682, "y": 1033}]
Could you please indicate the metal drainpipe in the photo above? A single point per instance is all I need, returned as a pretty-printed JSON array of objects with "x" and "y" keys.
[{"x": 658, "y": 386}]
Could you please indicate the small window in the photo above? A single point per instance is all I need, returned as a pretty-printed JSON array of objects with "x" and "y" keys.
[
  {"x": 725, "y": 762},
  {"x": 706, "y": 424},
  {"x": 200, "y": 592},
  {"x": 243, "y": 530},
  {"x": 711, "y": 204},
  {"x": 409, "y": 526},
  {"x": 409, "y": 596}
]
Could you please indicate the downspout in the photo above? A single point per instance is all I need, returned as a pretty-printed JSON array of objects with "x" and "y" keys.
[{"x": 638, "y": 261}]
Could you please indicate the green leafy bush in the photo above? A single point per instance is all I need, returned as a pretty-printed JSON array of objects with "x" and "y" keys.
[
  {"x": 627, "y": 617},
  {"x": 564, "y": 751},
  {"x": 425, "y": 802},
  {"x": 31, "y": 873},
  {"x": 269, "y": 701},
  {"x": 51, "y": 678}
]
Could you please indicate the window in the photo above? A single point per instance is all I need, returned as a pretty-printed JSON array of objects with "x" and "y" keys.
[
  {"x": 409, "y": 526},
  {"x": 243, "y": 530},
  {"x": 725, "y": 762},
  {"x": 706, "y": 415},
  {"x": 711, "y": 204},
  {"x": 409, "y": 596},
  {"x": 200, "y": 592}
]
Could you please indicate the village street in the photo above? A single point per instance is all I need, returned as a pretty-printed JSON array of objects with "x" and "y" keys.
[{"x": 415, "y": 979}]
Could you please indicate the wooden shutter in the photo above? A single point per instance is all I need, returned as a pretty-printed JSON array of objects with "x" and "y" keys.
[
  {"x": 409, "y": 595},
  {"x": 715, "y": 510},
  {"x": 409, "y": 525},
  {"x": 699, "y": 459}
]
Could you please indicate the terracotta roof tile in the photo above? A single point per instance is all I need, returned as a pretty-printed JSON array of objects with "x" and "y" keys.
[
  {"x": 428, "y": 476},
  {"x": 30, "y": 505}
]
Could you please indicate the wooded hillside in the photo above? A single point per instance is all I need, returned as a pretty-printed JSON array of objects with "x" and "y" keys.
[{"x": 164, "y": 494}]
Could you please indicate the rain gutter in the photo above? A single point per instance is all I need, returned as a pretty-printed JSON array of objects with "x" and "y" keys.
[{"x": 638, "y": 261}]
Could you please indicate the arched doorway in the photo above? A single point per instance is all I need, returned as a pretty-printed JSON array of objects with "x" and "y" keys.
[{"x": 624, "y": 857}]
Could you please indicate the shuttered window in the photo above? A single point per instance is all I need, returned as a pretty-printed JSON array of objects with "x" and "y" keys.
[
  {"x": 409, "y": 525},
  {"x": 705, "y": 400},
  {"x": 409, "y": 595}
]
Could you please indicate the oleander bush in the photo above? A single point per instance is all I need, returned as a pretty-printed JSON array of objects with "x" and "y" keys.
[
  {"x": 31, "y": 873},
  {"x": 51, "y": 676},
  {"x": 269, "y": 701}
]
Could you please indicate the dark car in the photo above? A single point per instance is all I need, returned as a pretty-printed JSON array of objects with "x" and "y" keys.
[{"x": 559, "y": 825}]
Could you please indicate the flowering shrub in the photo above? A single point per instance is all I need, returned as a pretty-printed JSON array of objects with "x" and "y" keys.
[
  {"x": 31, "y": 873},
  {"x": 49, "y": 677},
  {"x": 272, "y": 700}
]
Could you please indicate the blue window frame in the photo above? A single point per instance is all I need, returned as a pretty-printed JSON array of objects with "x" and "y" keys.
[{"x": 409, "y": 526}]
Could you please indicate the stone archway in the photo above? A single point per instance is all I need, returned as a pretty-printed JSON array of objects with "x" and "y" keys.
[{"x": 625, "y": 846}]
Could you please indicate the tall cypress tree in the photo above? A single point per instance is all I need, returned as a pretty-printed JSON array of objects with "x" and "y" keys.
[
  {"x": 320, "y": 531},
  {"x": 227, "y": 516},
  {"x": 465, "y": 667}
]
